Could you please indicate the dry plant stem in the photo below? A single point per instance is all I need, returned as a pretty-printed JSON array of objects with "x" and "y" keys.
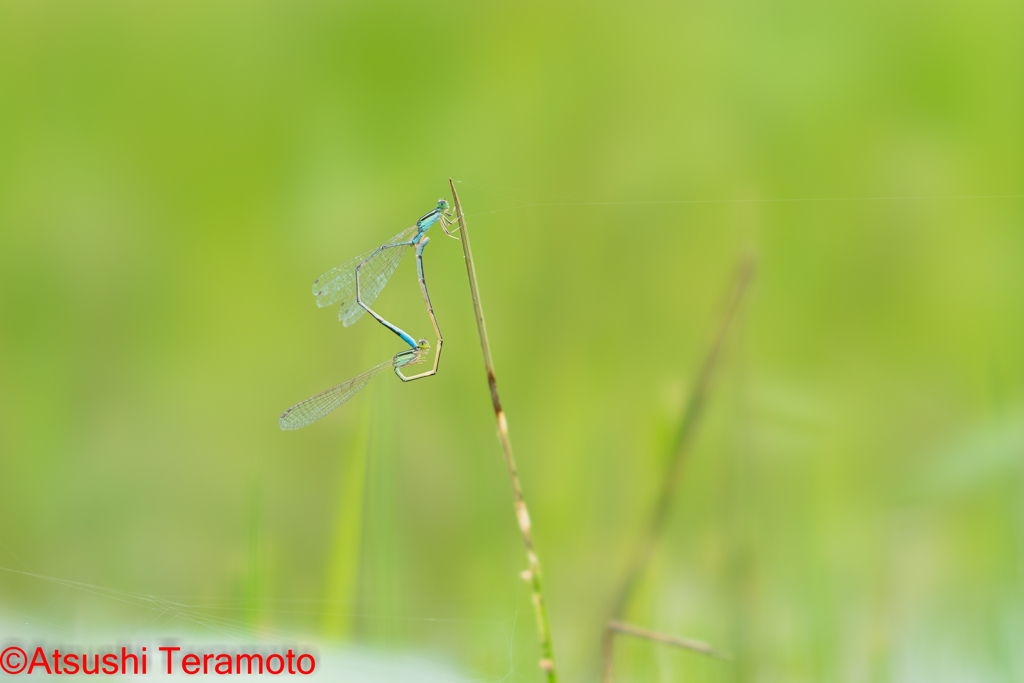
[
  {"x": 681, "y": 446},
  {"x": 686, "y": 643},
  {"x": 533, "y": 573}
]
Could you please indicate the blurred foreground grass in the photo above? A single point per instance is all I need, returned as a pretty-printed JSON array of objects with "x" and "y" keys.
[{"x": 174, "y": 175}]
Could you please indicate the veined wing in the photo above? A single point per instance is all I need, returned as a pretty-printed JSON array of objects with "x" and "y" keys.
[
  {"x": 315, "y": 407},
  {"x": 339, "y": 283}
]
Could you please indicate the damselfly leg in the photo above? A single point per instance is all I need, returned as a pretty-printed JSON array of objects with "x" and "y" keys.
[{"x": 448, "y": 220}]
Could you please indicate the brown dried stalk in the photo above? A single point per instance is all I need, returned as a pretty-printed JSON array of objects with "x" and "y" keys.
[{"x": 532, "y": 574}]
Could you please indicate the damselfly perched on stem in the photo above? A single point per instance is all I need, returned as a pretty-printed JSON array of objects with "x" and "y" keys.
[{"x": 356, "y": 284}]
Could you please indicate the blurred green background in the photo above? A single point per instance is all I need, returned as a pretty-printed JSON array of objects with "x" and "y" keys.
[{"x": 174, "y": 175}]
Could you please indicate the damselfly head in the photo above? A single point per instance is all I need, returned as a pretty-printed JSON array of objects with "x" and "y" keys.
[
  {"x": 423, "y": 345},
  {"x": 442, "y": 204}
]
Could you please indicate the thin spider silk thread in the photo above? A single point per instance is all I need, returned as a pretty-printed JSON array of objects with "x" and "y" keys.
[
  {"x": 727, "y": 201},
  {"x": 175, "y": 608}
]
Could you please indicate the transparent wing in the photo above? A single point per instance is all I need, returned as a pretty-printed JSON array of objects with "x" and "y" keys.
[
  {"x": 339, "y": 283},
  {"x": 315, "y": 407}
]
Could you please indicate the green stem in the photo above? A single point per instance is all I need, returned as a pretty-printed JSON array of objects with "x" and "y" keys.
[{"x": 681, "y": 446}]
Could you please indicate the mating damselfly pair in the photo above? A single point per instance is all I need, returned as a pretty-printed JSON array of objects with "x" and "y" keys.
[{"x": 356, "y": 284}]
